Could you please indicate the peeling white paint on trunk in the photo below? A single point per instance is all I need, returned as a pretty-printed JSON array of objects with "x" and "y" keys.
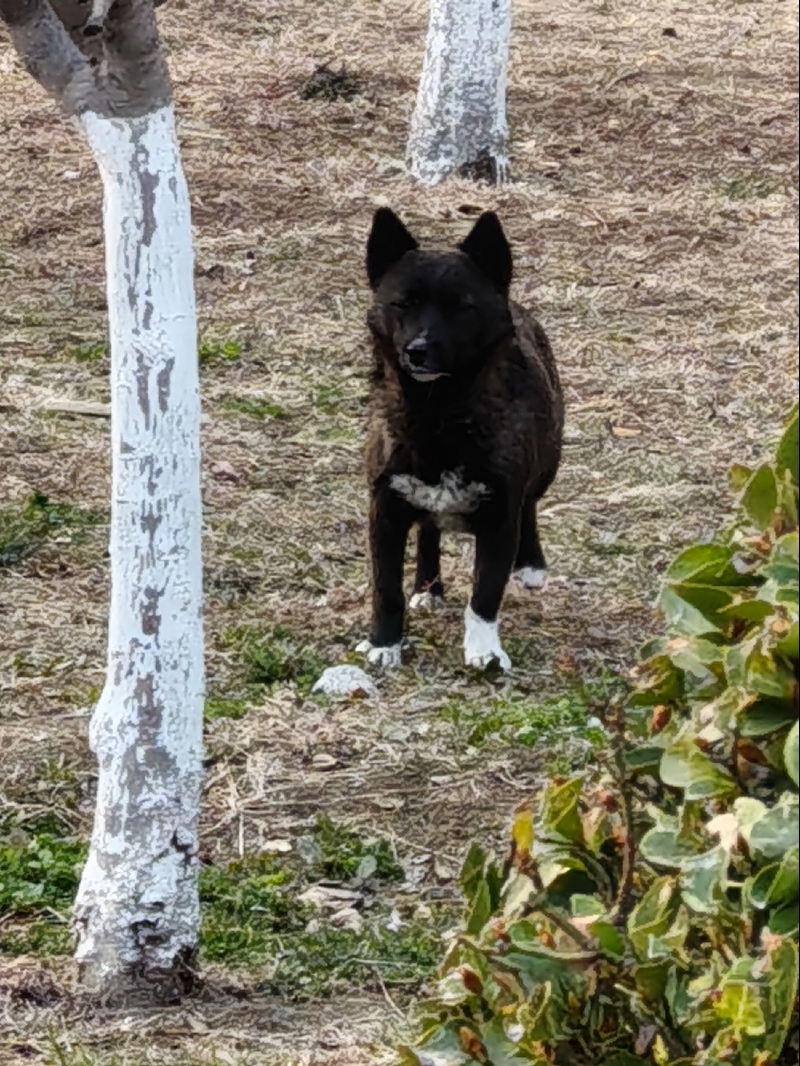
[
  {"x": 137, "y": 908},
  {"x": 460, "y": 114}
]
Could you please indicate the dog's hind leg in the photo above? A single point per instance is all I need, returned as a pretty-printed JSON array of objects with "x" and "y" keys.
[
  {"x": 530, "y": 568},
  {"x": 428, "y": 590}
]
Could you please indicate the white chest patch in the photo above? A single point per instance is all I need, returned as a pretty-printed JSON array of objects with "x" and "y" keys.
[{"x": 450, "y": 499}]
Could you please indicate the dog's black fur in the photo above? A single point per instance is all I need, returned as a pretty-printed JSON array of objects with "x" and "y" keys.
[{"x": 494, "y": 415}]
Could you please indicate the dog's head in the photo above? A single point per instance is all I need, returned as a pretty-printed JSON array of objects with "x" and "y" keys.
[{"x": 438, "y": 314}]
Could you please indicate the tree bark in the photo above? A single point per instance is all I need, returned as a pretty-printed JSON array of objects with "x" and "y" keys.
[
  {"x": 459, "y": 122},
  {"x": 137, "y": 912}
]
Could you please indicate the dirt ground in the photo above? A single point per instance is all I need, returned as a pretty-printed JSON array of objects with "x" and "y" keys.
[{"x": 652, "y": 213}]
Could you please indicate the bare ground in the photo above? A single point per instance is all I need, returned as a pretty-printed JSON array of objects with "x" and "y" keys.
[{"x": 653, "y": 216}]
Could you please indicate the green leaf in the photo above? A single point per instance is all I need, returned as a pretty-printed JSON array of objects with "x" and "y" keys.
[
  {"x": 777, "y": 831},
  {"x": 560, "y": 871},
  {"x": 684, "y": 766},
  {"x": 643, "y": 759},
  {"x": 704, "y": 880},
  {"x": 748, "y": 811},
  {"x": 746, "y": 610},
  {"x": 781, "y": 567},
  {"x": 682, "y": 616},
  {"x": 481, "y": 910},
  {"x": 665, "y": 845},
  {"x": 778, "y": 883},
  {"x": 790, "y": 754},
  {"x": 653, "y": 915},
  {"x": 760, "y": 497},
  {"x": 440, "y": 1047},
  {"x": 706, "y": 564},
  {"x": 785, "y": 920},
  {"x": 786, "y": 457},
  {"x": 790, "y": 644},
  {"x": 769, "y": 676},
  {"x": 472, "y": 871},
  {"x": 560, "y": 817},
  {"x": 502, "y": 1051},
  {"x": 651, "y": 980},
  {"x": 740, "y": 1006},
  {"x": 583, "y": 906},
  {"x": 611, "y": 941},
  {"x": 766, "y": 716},
  {"x": 451, "y": 990},
  {"x": 782, "y": 996},
  {"x": 738, "y": 476}
]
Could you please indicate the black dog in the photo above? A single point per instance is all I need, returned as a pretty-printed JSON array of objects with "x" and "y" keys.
[{"x": 465, "y": 428}]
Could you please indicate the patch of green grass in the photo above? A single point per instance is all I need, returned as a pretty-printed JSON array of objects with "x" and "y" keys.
[
  {"x": 324, "y": 961},
  {"x": 88, "y": 352},
  {"x": 39, "y": 872},
  {"x": 747, "y": 187},
  {"x": 224, "y": 707},
  {"x": 214, "y": 350},
  {"x": 244, "y": 904},
  {"x": 344, "y": 851},
  {"x": 38, "y": 879},
  {"x": 336, "y": 434},
  {"x": 522, "y": 719},
  {"x": 24, "y": 529},
  {"x": 328, "y": 399},
  {"x": 275, "y": 656},
  {"x": 252, "y": 917},
  {"x": 43, "y": 936},
  {"x": 253, "y": 407},
  {"x": 613, "y": 548}
]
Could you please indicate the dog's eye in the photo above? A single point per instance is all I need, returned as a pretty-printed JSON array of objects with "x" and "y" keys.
[{"x": 405, "y": 304}]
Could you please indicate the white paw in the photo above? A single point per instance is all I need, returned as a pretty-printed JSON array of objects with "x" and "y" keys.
[
  {"x": 530, "y": 577},
  {"x": 386, "y": 657},
  {"x": 425, "y": 601},
  {"x": 482, "y": 642}
]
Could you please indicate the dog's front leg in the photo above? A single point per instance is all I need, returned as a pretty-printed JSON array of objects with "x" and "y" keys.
[
  {"x": 389, "y": 522},
  {"x": 495, "y": 550}
]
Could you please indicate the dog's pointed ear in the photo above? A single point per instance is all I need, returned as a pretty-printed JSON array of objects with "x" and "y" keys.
[
  {"x": 389, "y": 240},
  {"x": 487, "y": 247}
]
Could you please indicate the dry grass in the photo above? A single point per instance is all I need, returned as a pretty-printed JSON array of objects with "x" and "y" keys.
[{"x": 653, "y": 215}]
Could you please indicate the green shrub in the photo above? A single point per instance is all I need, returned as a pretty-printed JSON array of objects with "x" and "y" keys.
[{"x": 648, "y": 911}]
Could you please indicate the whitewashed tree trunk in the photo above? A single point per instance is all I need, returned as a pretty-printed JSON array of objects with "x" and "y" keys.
[
  {"x": 137, "y": 912},
  {"x": 459, "y": 122},
  {"x": 137, "y": 906}
]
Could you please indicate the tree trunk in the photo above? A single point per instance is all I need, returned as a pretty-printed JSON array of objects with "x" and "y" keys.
[
  {"x": 137, "y": 907},
  {"x": 137, "y": 913},
  {"x": 459, "y": 122}
]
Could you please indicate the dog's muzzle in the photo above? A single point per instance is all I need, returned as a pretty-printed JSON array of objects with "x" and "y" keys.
[{"x": 416, "y": 359}]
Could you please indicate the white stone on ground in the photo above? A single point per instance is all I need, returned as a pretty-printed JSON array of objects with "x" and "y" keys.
[{"x": 346, "y": 680}]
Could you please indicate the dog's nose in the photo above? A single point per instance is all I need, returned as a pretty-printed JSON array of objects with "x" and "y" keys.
[{"x": 417, "y": 351}]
